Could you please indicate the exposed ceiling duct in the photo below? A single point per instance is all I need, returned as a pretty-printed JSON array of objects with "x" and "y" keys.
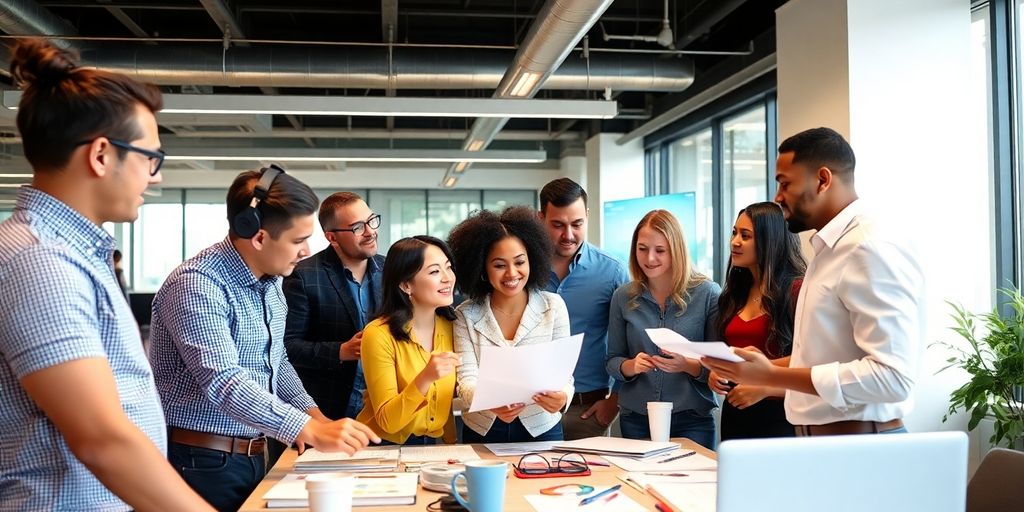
[
  {"x": 559, "y": 26},
  {"x": 367, "y": 68},
  {"x": 26, "y": 17}
]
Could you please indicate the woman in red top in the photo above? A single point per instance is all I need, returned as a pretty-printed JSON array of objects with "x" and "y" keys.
[{"x": 756, "y": 310}]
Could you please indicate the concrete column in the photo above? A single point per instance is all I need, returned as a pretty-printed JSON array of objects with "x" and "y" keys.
[{"x": 894, "y": 78}]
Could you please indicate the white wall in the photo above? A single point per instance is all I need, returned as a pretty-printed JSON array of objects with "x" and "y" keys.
[
  {"x": 613, "y": 172},
  {"x": 892, "y": 77}
]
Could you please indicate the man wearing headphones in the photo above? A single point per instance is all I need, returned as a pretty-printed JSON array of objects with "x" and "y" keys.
[{"x": 218, "y": 350}]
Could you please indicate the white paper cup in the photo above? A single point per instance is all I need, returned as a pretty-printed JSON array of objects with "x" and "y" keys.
[
  {"x": 659, "y": 417},
  {"x": 330, "y": 492}
]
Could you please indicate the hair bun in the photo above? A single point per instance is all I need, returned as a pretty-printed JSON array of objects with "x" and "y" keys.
[{"x": 39, "y": 63}]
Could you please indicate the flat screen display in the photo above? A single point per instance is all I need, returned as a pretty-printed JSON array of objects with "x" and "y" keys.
[{"x": 621, "y": 218}]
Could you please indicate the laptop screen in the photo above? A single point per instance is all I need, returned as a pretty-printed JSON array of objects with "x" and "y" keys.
[{"x": 864, "y": 473}]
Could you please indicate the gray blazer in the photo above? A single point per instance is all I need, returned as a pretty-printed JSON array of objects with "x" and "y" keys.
[{"x": 546, "y": 318}]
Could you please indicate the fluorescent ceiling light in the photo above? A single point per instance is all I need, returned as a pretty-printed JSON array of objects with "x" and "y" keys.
[
  {"x": 19, "y": 175},
  {"x": 354, "y": 155},
  {"x": 461, "y": 167},
  {"x": 376, "y": 106},
  {"x": 475, "y": 145},
  {"x": 450, "y": 182},
  {"x": 525, "y": 84}
]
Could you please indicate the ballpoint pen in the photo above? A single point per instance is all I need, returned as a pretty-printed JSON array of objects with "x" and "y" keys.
[
  {"x": 670, "y": 459},
  {"x": 591, "y": 499}
]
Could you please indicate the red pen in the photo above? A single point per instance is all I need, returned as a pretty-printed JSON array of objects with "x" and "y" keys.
[{"x": 609, "y": 498}]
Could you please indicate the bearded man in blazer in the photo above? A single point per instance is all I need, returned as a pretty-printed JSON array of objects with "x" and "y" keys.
[{"x": 331, "y": 296}]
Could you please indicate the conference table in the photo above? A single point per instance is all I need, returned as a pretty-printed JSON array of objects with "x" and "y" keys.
[{"x": 515, "y": 489}]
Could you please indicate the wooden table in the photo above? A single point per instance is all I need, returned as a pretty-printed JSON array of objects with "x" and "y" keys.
[{"x": 515, "y": 488}]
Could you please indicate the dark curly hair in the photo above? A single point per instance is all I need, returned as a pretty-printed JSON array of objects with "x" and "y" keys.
[{"x": 471, "y": 241}]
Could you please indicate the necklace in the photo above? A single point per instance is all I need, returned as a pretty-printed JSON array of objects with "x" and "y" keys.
[{"x": 506, "y": 313}]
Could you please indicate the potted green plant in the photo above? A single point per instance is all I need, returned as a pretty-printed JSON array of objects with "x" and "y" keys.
[{"x": 995, "y": 363}]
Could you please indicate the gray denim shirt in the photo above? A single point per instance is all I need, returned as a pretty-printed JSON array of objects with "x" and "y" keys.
[{"x": 627, "y": 338}]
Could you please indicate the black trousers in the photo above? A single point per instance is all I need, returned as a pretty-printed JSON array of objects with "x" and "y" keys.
[{"x": 766, "y": 418}]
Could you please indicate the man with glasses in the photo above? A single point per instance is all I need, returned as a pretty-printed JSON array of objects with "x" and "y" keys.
[
  {"x": 82, "y": 427},
  {"x": 331, "y": 296}
]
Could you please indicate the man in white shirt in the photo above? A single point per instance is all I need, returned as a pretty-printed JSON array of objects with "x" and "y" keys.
[{"x": 859, "y": 323}]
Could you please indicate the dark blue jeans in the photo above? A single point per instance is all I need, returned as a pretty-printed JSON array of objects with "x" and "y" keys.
[
  {"x": 223, "y": 479},
  {"x": 695, "y": 427},
  {"x": 514, "y": 432}
]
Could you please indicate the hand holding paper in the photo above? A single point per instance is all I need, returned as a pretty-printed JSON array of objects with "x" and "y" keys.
[
  {"x": 671, "y": 341},
  {"x": 513, "y": 375}
]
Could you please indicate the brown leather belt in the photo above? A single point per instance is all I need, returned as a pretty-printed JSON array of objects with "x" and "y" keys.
[
  {"x": 247, "y": 447},
  {"x": 589, "y": 397},
  {"x": 841, "y": 428}
]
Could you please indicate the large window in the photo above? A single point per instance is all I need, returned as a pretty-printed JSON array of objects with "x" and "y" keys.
[
  {"x": 744, "y": 162},
  {"x": 157, "y": 241},
  {"x": 690, "y": 159},
  {"x": 178, "y": 224},
  {"x": 724, "y": 154}
]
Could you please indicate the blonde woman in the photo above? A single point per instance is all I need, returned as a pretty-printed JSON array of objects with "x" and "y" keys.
[{"x": 665, "y": 291}]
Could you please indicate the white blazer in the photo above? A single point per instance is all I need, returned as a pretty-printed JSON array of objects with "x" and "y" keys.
[{"x": 546, "y": 318}]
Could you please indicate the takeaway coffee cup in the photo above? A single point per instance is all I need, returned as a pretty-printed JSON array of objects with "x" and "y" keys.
[
  {"x": 486, "y": 482},
  {"x": 330, "y": 492},
  {"x": 659, "y": 417}
]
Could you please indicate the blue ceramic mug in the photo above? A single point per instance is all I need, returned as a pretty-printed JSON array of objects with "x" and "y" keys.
[{"x": 486, "y": 482}]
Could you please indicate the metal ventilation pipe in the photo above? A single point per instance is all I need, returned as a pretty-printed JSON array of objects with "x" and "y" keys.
[
  {"x": 25, "y": 17},
  {"x": 362, "y": 68},
  {"x": 556, "y": 30}
]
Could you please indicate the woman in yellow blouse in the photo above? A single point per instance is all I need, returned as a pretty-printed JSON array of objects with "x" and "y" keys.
[{"x": 407, "y": 352}]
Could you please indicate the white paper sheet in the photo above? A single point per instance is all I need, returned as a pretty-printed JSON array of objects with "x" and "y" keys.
[
  {"x": 695, "y": 462},
  {"x": 510, "y": 375},
  {"x": 686, "y": 497},
  {"x": 671, "y": 341},
  {"x": 516, "y": 449},
  {"x": 438, "y": 453},
  {"x": 621, "y": 503}
]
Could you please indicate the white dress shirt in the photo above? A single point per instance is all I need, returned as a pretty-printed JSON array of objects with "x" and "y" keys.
[{"x": 859, "y": 323}]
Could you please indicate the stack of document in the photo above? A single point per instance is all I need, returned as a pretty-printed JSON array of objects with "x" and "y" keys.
[
  {"x": 369, "y": 459},
  {"x": 370, "y": 489},
  {"x": 676, "y": 460},
  {"x": 602, "y": 445},
  {"x": 450, "y": 453}
]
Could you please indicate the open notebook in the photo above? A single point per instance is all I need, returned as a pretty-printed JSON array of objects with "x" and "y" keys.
[
  {"x": 373, "y": 458},
  {"x": 371, "y": 489}
]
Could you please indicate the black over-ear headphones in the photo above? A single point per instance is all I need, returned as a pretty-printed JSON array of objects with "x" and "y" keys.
[{"x": 247, "y": 222}]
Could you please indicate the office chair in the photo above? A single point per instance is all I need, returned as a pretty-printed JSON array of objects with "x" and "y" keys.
[{"x": 996, "y": 486}]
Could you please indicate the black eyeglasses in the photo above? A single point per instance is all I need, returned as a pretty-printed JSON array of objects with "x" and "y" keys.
[
  {"x": 359, "y": 228},
  {"x": 156, "y": 158},
  {"x": 537, "y": 464}
]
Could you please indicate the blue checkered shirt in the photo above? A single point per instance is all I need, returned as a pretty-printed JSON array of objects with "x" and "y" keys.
[
  {"x": 61, "y": 303},
  {"x": 217, "y": 349}
]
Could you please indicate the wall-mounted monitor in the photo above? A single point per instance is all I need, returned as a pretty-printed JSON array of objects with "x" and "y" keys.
[{"x": 621, "y": 218}]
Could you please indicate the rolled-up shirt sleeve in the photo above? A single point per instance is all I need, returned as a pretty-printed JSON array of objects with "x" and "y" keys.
[{"x": 882, "y": 289}]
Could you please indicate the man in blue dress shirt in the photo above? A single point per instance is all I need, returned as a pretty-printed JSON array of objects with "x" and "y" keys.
[
  {"x": 585, "y": 277},
  {"x": 81, "y": 427},
  {"x": 218, "y": 350}
]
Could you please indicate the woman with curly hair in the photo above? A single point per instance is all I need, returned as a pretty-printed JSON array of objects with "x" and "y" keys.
[
  {"x": 407, "y": 354},
  {"x": 502, "y": 263},
  {"x": 666, "y": 291},
  {"x": 756, "y": 309}
]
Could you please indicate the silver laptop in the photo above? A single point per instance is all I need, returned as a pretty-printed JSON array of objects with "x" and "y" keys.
[{"x": 899, "y": 472}]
